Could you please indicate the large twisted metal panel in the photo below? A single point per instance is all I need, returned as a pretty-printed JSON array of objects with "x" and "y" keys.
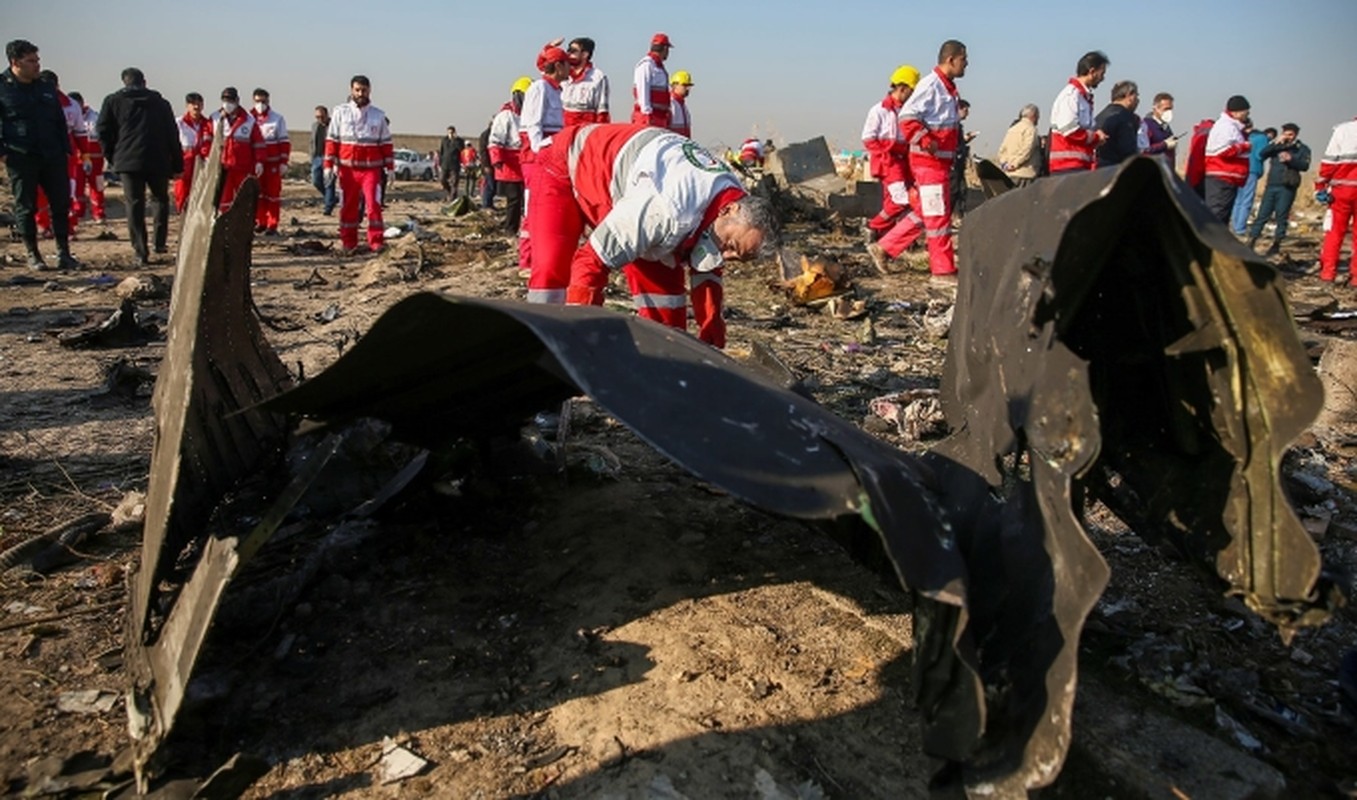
[{"x": 1106, "y": 338}]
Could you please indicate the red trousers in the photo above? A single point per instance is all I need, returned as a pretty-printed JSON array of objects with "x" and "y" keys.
[
  {"x": 270, "y": 197},
  {"x": 1343, "y": 208},
  {"x": 556, "y": 223},
  {"x": 530, "y": 169},
  {"x": 91, "y": 184},
  {"x": 905, "y": 226},
  {"x": 184, "y": 183},
  {"x": 932, "y": 178},
  {"x": 230, "y": 184},
  {"x": 43, "y": 215},
  {"x": 367, "y": 185}
]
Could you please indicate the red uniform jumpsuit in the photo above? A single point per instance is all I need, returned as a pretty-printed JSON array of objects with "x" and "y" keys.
[
  {"x": 650, "y": 92},
  {"x": 929, "y": 121},
  {"x": 1338, "y": 174},
  {"x": 898, "y": 225},
  {"x": 195, "y": 142},
  {"x": 277, "y": 150},
  {"x": 359, "y": 142},
  {"x": 651, "y": 197},
  {"x": 1195, "y": 171},
  {"x": 242, "y": 151}
]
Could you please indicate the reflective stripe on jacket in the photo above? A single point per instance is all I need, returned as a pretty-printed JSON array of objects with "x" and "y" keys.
[
  {"x": 1072, "y": 129},
  {"x": 1338, "y": 169},
  {"x": 359, "y": 137}
]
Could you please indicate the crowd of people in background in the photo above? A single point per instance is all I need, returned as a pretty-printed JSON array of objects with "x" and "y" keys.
[{"x": 56, "y": 149}]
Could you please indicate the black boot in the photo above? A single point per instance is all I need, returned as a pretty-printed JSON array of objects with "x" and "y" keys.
[
  {"x": 35, "y": 261},
  {"x": 67, "y": 261}
]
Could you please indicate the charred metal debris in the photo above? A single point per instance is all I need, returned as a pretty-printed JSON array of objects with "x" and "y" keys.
[{"x": 1109, "y": 342}]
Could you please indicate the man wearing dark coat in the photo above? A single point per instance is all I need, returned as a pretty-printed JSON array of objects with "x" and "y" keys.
[{"x": 141, "y": 140}]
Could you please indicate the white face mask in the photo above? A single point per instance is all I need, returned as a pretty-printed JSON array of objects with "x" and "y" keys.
[
  {"x": 228, "y": 107},
  {"x": 260, "y": 108},
  {"x": 706, "y": 255},
  {"x": 1167, "y": 116}
]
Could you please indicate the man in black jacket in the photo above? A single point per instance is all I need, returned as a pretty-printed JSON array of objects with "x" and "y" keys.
[
  {"x": 450, "y": 161},
  {"x": 141, "y": 140},
  {"x": 1120, "y": 123},
  {"x": 1288, "y": 158},
  {"x": 35, "y": 147}
]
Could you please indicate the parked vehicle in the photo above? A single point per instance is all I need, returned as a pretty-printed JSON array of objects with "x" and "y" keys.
[{"x": 411, "y": 165}]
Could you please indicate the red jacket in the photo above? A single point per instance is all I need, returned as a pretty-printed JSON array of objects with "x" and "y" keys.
[
  {"x": 650, "y": 92},
  {"x": 1195, "y": 171},
  {"x": 1227, "y": 151},
  {"x": 680, "y": 121},
  {"x": 702, "y": 188},
  {"x": 1073, "y": 131},
  {"x": 273, "y": 128},
  {"x": 505, "y": 145},
  {"x": 242, "y": 145},
  {"x": 931, "y": 118},
  {"x": 195, "y": 138},
  {"x": 881, "y": 137},
  {"x": 1338, "y": 170},
  {"x": 584, "y": 96},
  {"x": 359, "y": 137}
]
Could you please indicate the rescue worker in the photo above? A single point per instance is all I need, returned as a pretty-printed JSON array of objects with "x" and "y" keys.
[
  {"x": 359, "y": 151},
  {"x": 657, "y": 202},
  {"x": 680, "y": 121},
  {"x": 502, "y": 148},
  {"x": 929, "y": 120},
  {"x": 752, "y": 152},
  {"x": 89, "y": 178},
  {"x": 1194, "y": 171},
  {"x": 1336, "y": 186},
  {"x": 541, "y": 118},
  {"x": 277, "y": 152},
  {"x": 242, "y": 150},
  {"x": 898, "y": 225},
  {"x": 76, "y": 130},
  {"x": 1074, "y": 131},
  {"x": 1227, "y": 158},
  {"x": 195, "y": 142},
  {"x": 34, "y": 147},
  {"x": 584, "y": 95},
  {"x": 650, "y": 85}
]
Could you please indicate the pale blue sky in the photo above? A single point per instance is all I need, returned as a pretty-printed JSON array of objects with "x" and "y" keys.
[{"x": 787, "y": 70}]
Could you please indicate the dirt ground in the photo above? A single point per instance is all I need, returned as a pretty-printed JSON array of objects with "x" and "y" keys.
[{"x": 621, "y": 630}]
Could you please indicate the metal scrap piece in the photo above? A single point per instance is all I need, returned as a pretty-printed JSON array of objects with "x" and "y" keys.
[{"x": 217, "y": 366}]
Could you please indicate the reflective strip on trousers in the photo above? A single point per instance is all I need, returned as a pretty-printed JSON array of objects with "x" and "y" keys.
[
  {"x": 643, "y": 301},
  {"x": 550, "y": 296},
  {"x": 698, "y": 278},
  {"x": 1075, "y": 155}
]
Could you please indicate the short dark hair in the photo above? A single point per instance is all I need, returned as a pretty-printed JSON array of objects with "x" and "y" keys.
[
  {"x": 452, "y": 128},
  {"x": 963, "y": 103},
  {"x": 193, "y": 97},
  {"x": 1123, "y": 89},
  {"x": 19, "y": 48},
  {"x": 1091, "y": 61},
  {"x": 950, "y": 48},
  {"x": 49, "y": 76},
  {"x": 76, "y": 96},
  {"x": 258, "y": 92},
  {"x": 133, "y": 77},
  {"x": 322, "y": 108},
  {"x": 1291, "y": 126},
  {"x": 1161, "y": 97},
  {"x": 585, "y": 43},
  {"x": 361, "y": 80},
  {"x": 1270, "y": 133}
]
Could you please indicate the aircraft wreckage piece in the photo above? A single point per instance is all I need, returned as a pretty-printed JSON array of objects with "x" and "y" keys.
[
  {"x": 1105, "y": 348},
  {"x": 217, "y": 363}
]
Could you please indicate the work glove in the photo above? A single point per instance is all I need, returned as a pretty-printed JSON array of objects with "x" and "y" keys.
[
  {"x": 1323, "y": 196},
  {"x": 258, "y": 169}
]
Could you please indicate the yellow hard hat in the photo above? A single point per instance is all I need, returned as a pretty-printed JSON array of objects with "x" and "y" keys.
[
  {"x": 522, "y": 84},
  {"x": 683, "y": 77},
  {"x": 905, "y": 74}
]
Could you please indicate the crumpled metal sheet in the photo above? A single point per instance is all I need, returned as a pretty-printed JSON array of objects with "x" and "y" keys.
[
  {"x": 209, "y": 435},
  {"x": 1106, "y": 336}
]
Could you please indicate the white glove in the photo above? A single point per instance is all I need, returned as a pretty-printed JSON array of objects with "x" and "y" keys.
[
  {"x": 258, "y": 168},
  {"x": 328, "y": 174}
]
